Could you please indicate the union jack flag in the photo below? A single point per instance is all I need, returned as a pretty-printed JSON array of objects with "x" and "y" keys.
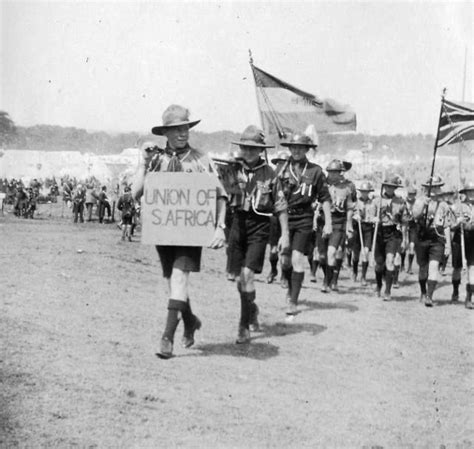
[{"x": 456, "y": 123}]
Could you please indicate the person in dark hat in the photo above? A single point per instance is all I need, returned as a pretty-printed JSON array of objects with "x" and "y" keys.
[
  {"x": 432, "y": 215},
  {"x": 411, "y": 228},
  {"x": 275, "y": 231},
  {"x": 126, "y": 204},
  {"x": 391, "y": 214},
  {"x": 304, "y": 185},
  {"x": 331, "y": 250},
  {"x": 364, "y": 217},
  {"x": 260, "y": 196},
  {"x": 463, "y": 232},
  {"x": 179, "y": 261}
]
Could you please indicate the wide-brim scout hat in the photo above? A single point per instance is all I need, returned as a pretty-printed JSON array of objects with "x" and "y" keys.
[
  {"x": 392, "y": 181},
  {"x": 366, "y": 186},
  {"x": 282, "y": 156},
  {"x": 469, "y": 187},
  {"x": 299, "y": 140},
  {"x": 253, "y": 137},
  {"x": 336, "y": 165},
  {"x": 436, "y": 181},
  {"x": 174, "y": 116}
]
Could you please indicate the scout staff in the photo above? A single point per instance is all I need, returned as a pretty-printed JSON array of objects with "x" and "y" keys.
[
  {"x": 411, "y": 228},
  {"x": 434, "y": 236},
  {"x": 179, "y": 261},
  {"x": 260, "y": 197},
  {"x": 391, "y": 215},
  {"x": 304, "y": 185}
]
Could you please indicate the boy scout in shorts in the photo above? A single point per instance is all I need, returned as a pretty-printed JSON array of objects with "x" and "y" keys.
[
  {"x": 179, "y": 261},
  {"x": 304, "y": 184},
  {"x": 259, "y": 198}
]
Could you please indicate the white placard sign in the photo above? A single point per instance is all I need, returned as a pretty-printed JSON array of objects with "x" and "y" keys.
[{"x": 179, "y": 209}]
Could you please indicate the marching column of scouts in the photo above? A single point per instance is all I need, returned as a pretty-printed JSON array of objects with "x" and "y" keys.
[{"x": 304, "y": 215}]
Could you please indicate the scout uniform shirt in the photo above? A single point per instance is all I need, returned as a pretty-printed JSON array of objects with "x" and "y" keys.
[
  {"x": 462, "y": 213},
  {"x": 341, "y": 194},
  {"x": 188, "y": 160},
  {"x": 260, "y": 191},
  {"x": 366, "y": 210},
  {"x": 392, "y": 211},
  {"x": 438, "y": 214},
  {"x": 304, "y": 184}
]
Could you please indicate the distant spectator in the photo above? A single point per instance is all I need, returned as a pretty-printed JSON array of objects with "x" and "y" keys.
[
  {"x": 79, "y": 198},
  {"x": 104, "y": 205},
  {"x": 126, "y": 205},
  {"x": 91, "y": 200}
]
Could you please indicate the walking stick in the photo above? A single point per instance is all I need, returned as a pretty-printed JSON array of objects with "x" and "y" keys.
[
  {"x": 463, "y": 254},
  {"x": 361, "y": 238},
  {"x": 374, "y": 240}
]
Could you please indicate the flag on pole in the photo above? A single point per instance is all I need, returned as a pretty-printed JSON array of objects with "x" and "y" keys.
[
  {"x": 284, "y": 108},
  {"x": 456, "y": 123}
]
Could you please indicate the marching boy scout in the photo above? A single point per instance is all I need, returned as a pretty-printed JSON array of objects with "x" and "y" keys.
[
  {"x": 179, "y": 261},
  {"x": 260, "y": 196},
  {"x": 304, "y": 185},
  {"x": 434, "y": 237},
  {"x": 391, "y": 213}
]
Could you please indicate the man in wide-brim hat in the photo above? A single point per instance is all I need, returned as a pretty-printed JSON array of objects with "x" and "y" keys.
[
  {"x": 433, "y": 216},
  {"x": 304, "y": 184},
  {"x": 260, "y": 197},
  {"x": 463, "y": 225},
  {"x": 364, "y": 215},
  {"x": 331, "y": 250},
  {"x": 179, "y": 261},
  {"x": 391, "y": 215}
]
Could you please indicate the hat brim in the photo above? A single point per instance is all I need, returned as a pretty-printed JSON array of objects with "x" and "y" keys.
[
  {"x": 289, "y": 144},
  {"x": 391, "y": 184},
  {"x": 365, "y": 190},
  {"x": 347, "y": 165},
  {"x": 433, "y": 185},
  {"x": 252, "y": 144},
  {"x": 160, "y": 130}
]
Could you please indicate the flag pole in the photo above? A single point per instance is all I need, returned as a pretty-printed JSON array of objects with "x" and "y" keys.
[{"x": 436, "y": 142}]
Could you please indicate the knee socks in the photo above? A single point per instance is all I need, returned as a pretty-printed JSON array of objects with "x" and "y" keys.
[
  {"x": 174, "y": 307},
  {"x": 296, "y": 282}
]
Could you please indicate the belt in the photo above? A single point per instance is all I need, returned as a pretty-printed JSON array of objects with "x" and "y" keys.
[{"x": 299, "y": 210}]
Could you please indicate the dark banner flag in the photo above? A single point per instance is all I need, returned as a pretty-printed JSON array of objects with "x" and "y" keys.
[
  {"x": 284, "y": 107},
  {"x": 456, "y": 123}
]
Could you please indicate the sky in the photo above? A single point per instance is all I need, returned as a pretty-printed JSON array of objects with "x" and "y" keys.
[{"x": 117, "y": 66}]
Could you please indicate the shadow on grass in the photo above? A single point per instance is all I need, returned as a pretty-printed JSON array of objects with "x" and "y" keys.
[
  {"x": 259, "y": 347},
  {"x": 316, "y": 305}
]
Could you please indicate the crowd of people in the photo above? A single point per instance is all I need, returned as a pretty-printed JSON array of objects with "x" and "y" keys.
[{"x": 306, "y": 213}]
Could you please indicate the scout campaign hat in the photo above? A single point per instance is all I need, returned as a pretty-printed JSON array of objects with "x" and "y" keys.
[
  {"x": 336, "y": 165},
  {"x": 469, "y": 187},
  {"x": 173, "y": 116},
  {"x": 282, "y": 156},
  {"x": 393, "y": 181},
  {"x": 436, "y": 181},
  {"x": 253, "y": 137},
  {"x": 299, "y": 140},
  {"x": 366, "y": 186}
]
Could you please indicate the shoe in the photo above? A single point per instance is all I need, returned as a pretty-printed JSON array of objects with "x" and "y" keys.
[
  {"x": 387, "y": 296},
  {"x": 312, "y": 277},
  {"x": 243, "y": 336},
  {"x": 292, "y": 309},
  {"x": 325, "y": 288},
  {"x": 334, "y": 287},
  {"x": 454, "y": 297},
  {"x": 166, "y": 349},
  {"x": 363, "y": 282},
  {"x": 428, "y": 301},
  {"x": 254, "y": 325},
  {"x": 284, "y": 282},
  {"x": 378, "y": 292},
  {"x": 188, "y": 336},
  {"x": 230, "y": 277},
  {"x": 395, "y": 285},
  {"x": 469, "y": 305},
  {"x": 271, "y": 276}
]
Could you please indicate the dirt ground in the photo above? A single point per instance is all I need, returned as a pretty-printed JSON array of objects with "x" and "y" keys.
[{"x": 80, "y": 322}]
